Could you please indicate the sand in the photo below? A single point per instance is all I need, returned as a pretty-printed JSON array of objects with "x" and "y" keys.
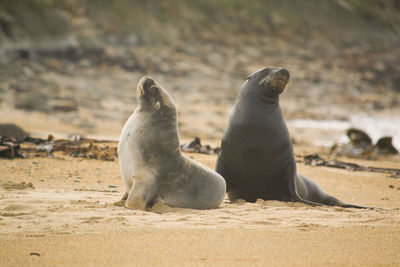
[
  {"x": 67, "y": 216},
  {"x": 60, "y": 210}
]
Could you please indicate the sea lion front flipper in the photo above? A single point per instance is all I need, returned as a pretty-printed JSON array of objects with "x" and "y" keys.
[
  {"x": 121, "y": 202},
  {"x": 143, "y": 193}
]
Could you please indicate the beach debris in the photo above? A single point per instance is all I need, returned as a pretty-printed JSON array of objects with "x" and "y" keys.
[
  {"x": 10, "y": 136},
  {"x": 316, "y": 160},
  {"x": 75, "y": 137},
  {"x": 89, "y": 150},
  {"x": 75, "y": 146},
  {"x": 35, "y": 254},
  {"x": 9, "y": 149},
  {"x": 195, "y": 146},
  {"x": 360, "y": 146}
]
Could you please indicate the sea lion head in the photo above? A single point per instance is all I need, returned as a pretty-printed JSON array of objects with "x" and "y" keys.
[
  {"x": 152, "y": 96},
  {"x": 267, "y": 83}
]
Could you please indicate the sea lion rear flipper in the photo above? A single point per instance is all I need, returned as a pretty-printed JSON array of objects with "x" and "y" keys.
[
  {"x": 308, "y": 189},
  {"x": 344, "y": 205},
  {"x": 297, "y": 198},
  {"x": 292, "y": 188},
  {"x": 143, "y": 193}
]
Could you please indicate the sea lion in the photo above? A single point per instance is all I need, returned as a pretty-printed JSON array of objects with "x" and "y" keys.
[
  {"x": 151, "y": 162},
  {"x": 256, "y": 157}
]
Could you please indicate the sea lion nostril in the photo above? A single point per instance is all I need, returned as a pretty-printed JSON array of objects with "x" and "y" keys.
[
  {"x": 148, "y": 83},
  {"x": 284, "y": 73}
]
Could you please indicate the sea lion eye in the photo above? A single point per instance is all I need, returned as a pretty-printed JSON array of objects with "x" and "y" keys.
[{"x": 247, "y": 79}]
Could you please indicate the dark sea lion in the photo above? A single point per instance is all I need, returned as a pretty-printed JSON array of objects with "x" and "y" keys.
[
  {"x": 151, "y": 162},
  {"x": 256, "y": 157}
]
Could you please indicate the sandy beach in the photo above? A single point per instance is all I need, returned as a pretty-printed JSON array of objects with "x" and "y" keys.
[
  {"x": 70, "y": 69},
  {"x": 63, "y": 209}
]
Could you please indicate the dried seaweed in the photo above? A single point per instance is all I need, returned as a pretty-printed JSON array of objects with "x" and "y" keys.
[
  {"x": 78, "y": 147},
  {"x": 316, "y": 160}
]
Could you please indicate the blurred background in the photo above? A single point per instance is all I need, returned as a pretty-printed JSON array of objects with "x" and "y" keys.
[{"x": 71, "y": 66}]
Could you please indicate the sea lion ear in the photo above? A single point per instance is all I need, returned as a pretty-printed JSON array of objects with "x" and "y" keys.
[{"x": 157, "y": 105}]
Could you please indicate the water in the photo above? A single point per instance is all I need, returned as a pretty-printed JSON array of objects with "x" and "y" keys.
[{"x": 376, "y": 127}]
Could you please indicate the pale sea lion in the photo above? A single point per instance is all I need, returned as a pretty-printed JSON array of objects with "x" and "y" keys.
[
  {"x": 152, "y": 164},
  {"x": 256, "y": 157}
]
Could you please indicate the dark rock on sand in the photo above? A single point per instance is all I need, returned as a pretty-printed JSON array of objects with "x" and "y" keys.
[
  {"x": 361, "y": 146},
  {"x": 12, "y": 130}
]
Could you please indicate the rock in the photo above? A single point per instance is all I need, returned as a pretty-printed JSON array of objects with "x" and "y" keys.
[
  {"x": 195, "y": 146},
  {"x": 360, "y": 146},
  {"x": 385, "y": 146},
  {"x": 12, "y": 130},
  {"x": 358, "y": 137}
]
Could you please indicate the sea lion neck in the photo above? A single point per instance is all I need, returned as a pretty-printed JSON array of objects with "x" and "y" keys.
[{"x": 247, "y": 96}]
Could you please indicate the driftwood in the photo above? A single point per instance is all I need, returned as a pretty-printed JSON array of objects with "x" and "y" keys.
[
  {"x": 316, "y": 160},
  {"x": 77, "y": 146},
  {"x": 9, "y": 148}
]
